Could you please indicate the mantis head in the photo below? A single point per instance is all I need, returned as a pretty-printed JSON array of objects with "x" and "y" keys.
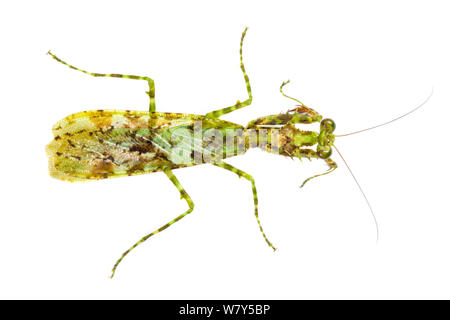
[{"x": 326, "y": 138}]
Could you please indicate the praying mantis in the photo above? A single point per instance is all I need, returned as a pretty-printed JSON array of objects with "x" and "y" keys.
[{"x": 102, "y": 144}]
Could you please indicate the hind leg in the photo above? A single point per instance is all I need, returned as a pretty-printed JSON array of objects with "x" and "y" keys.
[
  {"x": 151, "y": 83},
  {"x": 183, "y": 195}
]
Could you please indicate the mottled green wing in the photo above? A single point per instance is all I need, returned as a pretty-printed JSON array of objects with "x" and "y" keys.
[{"x": 102, "y": 144}]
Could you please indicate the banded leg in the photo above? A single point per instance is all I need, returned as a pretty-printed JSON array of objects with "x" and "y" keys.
[
  {"x": 183, "y": 195},
  {"x": 291, "y": 117},
  {"x": 301, "y": 115},
  {"x": 238, "y": 105},
  {"x": 240, "y": 174},
  {"x": 331, "y": 167},
  {"x": 301, "y": 107},
  {"x": 151, "y": 83}
]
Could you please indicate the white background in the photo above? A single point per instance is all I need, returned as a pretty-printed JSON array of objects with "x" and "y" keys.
[{"x": 358, "y": 62}]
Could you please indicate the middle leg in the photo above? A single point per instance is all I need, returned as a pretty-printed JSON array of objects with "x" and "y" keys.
[
  {"x": 241, "y": 173},
  {"x": 238, "y": 105}
]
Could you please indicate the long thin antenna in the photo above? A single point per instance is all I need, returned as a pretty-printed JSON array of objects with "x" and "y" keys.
[
  {"x": 364, "y": 195},
  {"x": 398, "y": 118}
]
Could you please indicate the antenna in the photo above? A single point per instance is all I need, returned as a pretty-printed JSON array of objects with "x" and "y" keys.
[
  {"x": 398, "y": 118},
  {"x": 364, "y": 195}
]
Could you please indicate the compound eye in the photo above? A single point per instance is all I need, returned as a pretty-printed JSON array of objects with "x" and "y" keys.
[
  {"x": 324, "y": 152},
  {"x": 328, "y": 124}
]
